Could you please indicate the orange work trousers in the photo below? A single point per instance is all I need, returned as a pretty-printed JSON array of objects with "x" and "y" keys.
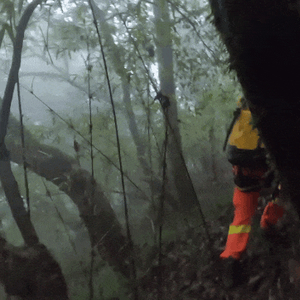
[{"x": 245, "y": 205}]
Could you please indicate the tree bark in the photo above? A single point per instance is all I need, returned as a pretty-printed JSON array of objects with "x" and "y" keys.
[
  {"x": 262, "y": 38},
  {"x": 31, "y": 272},
  {"x": 16, "y": 204}
]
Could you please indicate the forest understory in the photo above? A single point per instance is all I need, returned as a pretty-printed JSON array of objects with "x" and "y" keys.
[{"x": 191, "y": 268}]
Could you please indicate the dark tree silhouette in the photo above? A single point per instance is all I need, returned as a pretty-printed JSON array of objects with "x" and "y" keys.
[
  {"x": 29, "y": 272},
  {"x": 263, "y": 40}
]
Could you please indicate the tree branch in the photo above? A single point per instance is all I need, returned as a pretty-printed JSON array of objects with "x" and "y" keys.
[
  {"x": 14, "y": 70},
  {"x": 7, "y": 178}
]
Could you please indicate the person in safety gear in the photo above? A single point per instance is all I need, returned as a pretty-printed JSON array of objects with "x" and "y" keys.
[{"x": 247, "y": 155}]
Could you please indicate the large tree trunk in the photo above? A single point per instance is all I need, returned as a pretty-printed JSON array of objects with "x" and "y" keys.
[
  {"x": 183, "y": 185},
  {"x": 62, "y": 170},
  {"x": 31, "y": 272},
  {"x": 262, "y": 38}
]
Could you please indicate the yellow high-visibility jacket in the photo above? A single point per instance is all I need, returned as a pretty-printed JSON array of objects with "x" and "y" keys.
[
  {"x": 244, "y": 144},
  {"x": 243, "y": 136}
]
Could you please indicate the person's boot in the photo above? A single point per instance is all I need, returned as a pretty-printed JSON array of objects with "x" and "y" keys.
[{"x": 232, "y": 273}]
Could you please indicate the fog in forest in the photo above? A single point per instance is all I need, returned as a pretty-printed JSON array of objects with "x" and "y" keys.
[{"x": 173, "y": 164}]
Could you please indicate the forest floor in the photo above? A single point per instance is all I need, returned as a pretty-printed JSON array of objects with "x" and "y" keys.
[{"x": 190, "y": 268}]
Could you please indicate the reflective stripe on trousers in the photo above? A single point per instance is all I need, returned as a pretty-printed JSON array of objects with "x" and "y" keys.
[
  {"x": 239, "y": 229},
  {"x": 245, "y": 205}
]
